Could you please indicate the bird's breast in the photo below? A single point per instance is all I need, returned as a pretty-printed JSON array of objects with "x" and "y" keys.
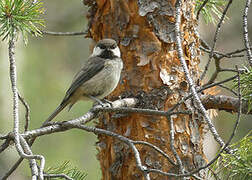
[{"x": 104, "y": 82}]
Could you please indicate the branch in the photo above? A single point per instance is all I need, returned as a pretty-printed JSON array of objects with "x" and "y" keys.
[
  {"x": 51, "y": 176},
  {"x": 226, "y": 103},
  {"x": 219, "y": 55},
  {"x": 187, "y": 75},
  {"x": 27, "y": 112},
  {"x": 245, "y": 32},
  {"x": 215, "y": 39},
  {"x": 64, "y": 33},
  {"x": 77, "y": 123},
  {"x": 22, "y": 147},
  {"x": 231, "y": 136},
  {"x": 201, "y": 7},
  {"x": 172, "y": 142},
  {"x": 128, "y": 102}
]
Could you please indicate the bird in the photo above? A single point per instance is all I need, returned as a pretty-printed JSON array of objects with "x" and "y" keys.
[{"x": 98, "y": 77}]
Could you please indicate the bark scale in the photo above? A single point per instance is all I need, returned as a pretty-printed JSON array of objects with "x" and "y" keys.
[{"x": 144, "y": 30}]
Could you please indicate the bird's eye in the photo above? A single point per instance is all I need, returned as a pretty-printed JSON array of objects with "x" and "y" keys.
[
  {"x": 102, "y": 47},
  {"x": 113, "y": 46}
]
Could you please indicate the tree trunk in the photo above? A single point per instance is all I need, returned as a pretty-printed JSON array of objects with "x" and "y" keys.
[{"x": 144, "y": 30}]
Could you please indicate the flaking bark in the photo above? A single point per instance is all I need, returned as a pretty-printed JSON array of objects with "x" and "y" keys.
[{"x": 144, "y": 30}]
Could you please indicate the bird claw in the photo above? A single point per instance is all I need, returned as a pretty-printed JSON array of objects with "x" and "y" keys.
[
  {"x": 45, "y": 124},
  {"x": 104, "y": 104},
  {"x": 108, "y": 102}
]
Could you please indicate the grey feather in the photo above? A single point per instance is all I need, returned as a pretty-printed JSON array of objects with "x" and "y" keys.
[{"x": 93, "y": 66}]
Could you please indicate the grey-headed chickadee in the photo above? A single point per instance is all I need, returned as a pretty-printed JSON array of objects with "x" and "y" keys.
[{"x": 98, "y": 77}]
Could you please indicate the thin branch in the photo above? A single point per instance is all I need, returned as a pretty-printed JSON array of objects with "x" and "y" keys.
[
  {"x": 220, "y": 55},
  {"x": 157, "y": 149},
  {"x": 215, "y": 39},
  {"x": 129, "y": 102},
  {"x": 5, "y": 145},
  {"x": 64, "y": 33},
  {"x": 226, "y": 103},
  {"x": 77, "y": 122},
  {"x": 172, "y": 174},
  {"x": 215, "y": 74},
  {"x": 187, "y": 74},
  {"x": 13, "y": 168},
  {"x": 200, "y": 8},
  {"x": 207, "y": 86},
  {"x": 33, "y": 164},
  {"x": 245, "y": 32},
  {"x": 227, "y": 88},
  {"x": 231, "y": 136},
  {"x": 129, "y": 142},
  {"x": 198, "y": 91},
  {"x": 13, "y": 77},
  {"x": 50, "y": 176},
  {"x": 27, "y": 112},
  {"x": 138, "y": 110},
  {"x": 231, "y": 54},
  {"x": 179, "y": 162},
  {"x": 16, "y": 135},
  {"x": 117, "y": 136}
]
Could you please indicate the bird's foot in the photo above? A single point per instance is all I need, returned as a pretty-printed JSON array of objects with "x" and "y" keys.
[
  {"x": 106, "y": 103},
  {"x": 48, "y": 123}
]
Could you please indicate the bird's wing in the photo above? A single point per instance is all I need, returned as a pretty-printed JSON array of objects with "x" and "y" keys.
[{"x": 90, "y": 69}]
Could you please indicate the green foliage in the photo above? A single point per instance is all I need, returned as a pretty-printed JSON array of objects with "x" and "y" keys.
[
  {"x": 67, "y": 169},
  {"x": 239, "y": 164},
  {"x": 20, "y": 16},
  {"x": 246, "y": 86},
  {"x": 212, "y": 11}
]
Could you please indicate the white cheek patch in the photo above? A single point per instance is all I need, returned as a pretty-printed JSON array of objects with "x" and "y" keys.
[
  {"x": 97, "y": 51},
  {"x": 116, "y": 52}
]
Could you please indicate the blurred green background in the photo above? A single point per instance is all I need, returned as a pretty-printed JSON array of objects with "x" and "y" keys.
[{"x": 46, "y": 67}]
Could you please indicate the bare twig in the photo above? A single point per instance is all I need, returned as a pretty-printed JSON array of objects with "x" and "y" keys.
[
  {"x": 201, "y": 7},
  {"x": 129, "y": 102},
  {"x": 231, "y": 54},
  {"x": 139, "y": 110},
  {"x": 157, "y": 149},
  {"x": 12, "y": 169},
  {"x": 50, "y": 176},
  {"x": 27, "y": 112},
  {"x": 179, "y": 162},
  {"x": 16, "y": 135},
  {"x": 129, "y": 142},
  {"x": 217, "y": 71},
  {"x": 245, "y": 32},
  {"x": 231, "y": 136},
  {"x": 33, "y": 163},
  {"x": 215, "y": 39},
  {"x": 188, "y": 78},
  {"x": 64, "y": 33},
  {"x": 198, "y": 91},
  {"x": 5, "y": 145},
  {"x": 220, "y": 55},
  {"x": 227, "y": 88},
  {"x": 207, "y": 86},
  {"x": 77, "y": 124},
  {"x": 226, "y": 103}
]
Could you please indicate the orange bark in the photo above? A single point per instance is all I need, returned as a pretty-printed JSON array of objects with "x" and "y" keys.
[{"x": 152, "y": 73}]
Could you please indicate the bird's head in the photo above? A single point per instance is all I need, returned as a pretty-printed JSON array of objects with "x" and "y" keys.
[{"x": 106, "y": 48}]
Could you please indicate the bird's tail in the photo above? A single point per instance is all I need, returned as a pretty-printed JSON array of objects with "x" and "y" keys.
[{"x": 56, "y": 112}]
